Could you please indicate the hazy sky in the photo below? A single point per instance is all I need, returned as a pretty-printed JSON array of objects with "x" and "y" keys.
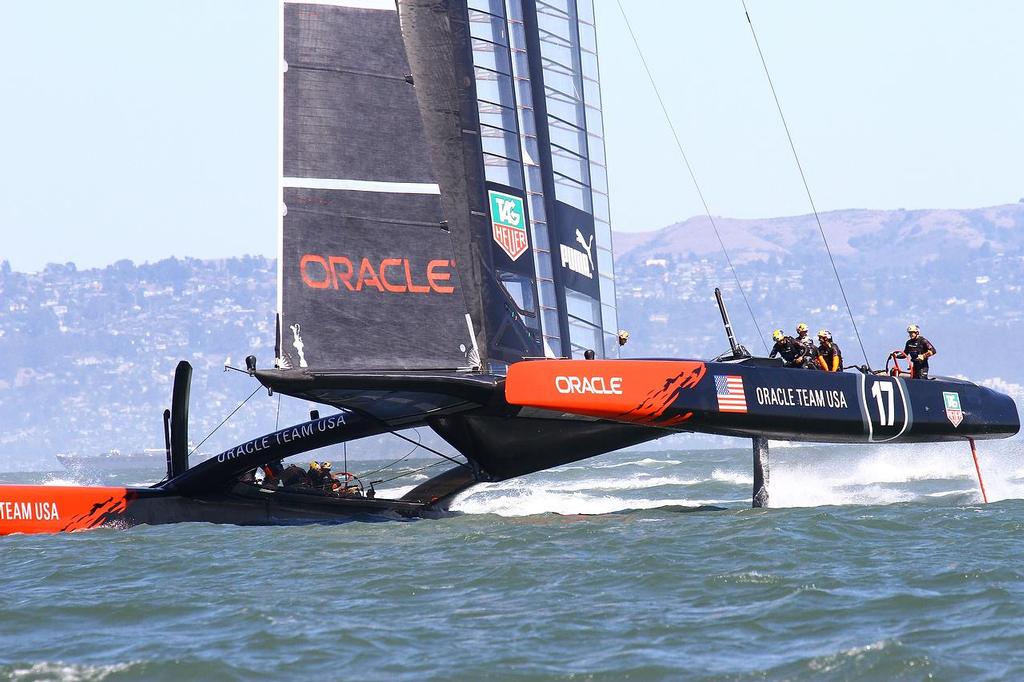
[{"x": 142, "y": 130}]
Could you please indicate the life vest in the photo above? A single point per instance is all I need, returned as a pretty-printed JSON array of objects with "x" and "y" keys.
[{"x": 822, "y": 350}]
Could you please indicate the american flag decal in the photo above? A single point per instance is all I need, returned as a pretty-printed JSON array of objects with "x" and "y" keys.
[{"x": 730, "y": 394}]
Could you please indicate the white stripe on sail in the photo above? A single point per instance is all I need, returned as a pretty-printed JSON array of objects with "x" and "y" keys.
[
  {"x": 363, "y": 185},
  {"x": 357, "y": 4}
]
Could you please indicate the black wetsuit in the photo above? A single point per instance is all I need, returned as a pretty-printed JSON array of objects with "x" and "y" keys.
[
  {"x": 915, "y": 348},
  {"x": 810, "y": 351},
  {"x": 317, "y": 479},
  {"x": 830, "y": 358},
  {"x": 791, "y": 351},
  {"x": 293, "y": 475}
]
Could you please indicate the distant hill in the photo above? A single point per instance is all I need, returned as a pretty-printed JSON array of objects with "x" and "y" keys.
[
  {"x": 88, "y": 354},
  {"x": 883, "y": 237}
]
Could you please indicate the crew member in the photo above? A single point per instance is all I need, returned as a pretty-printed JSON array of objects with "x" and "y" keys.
[
  {"x": 294, "y": 475},
  {"x": 810, "y": 351},
  {"x": 829, "y": 358},
  {"x": 792, "y": 352},
  {"x": 315, "y": 475},
  {"x": 919, "y": 349},
  {"x": 328, "y": 481},
  {"x": 623, "y": 337},
  {"x": 337, "y": 484},
  {"x": 272, "y": 472}
]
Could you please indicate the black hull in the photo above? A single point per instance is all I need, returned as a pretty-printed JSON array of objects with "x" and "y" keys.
[
  {"x": 752, "y": 400},
  {"x": 41, "y": 509},
  {"x": 248, "y": 505}
]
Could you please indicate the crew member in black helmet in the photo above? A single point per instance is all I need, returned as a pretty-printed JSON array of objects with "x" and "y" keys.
[
  {"x": 789, "y": 348},
  {"x": 919, "y": 349}
]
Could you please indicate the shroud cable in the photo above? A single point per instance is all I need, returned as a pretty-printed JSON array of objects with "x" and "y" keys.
[
  {"x": 693, "y": 176},
  {"x": 807, "y": 187}
]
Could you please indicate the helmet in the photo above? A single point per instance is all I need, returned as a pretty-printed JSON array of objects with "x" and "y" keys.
[
  {"x": 623, "y": 337},
  {"x": 777, "y": 335},
  {"x": 825, "y": 334},
  {"x": 325, "y": 465},
  {"x": 913, "y": 329},
  {"x": 314, "y": 465},
  {"x": 802, "y": 327}
]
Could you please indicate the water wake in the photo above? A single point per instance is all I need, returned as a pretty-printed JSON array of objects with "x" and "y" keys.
[
  {"x": 804, "y": 476},
  {"x": 526, "y": 500}
]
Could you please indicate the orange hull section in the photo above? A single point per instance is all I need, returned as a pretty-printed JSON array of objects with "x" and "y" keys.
[
  {"x": 637, "y": 391},
  {"x": 52, "y": 509}
]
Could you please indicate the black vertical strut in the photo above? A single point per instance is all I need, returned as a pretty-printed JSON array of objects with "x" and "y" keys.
[
  {"x": 726, "y": 322},
  {"x": 167, "y": 443},
  {"x": 179, "y": 418},
  {"x": 761, "y": 472}
]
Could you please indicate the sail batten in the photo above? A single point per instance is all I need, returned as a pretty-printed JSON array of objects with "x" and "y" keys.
[
  {"x": 363, "y": 185},
  {"x": 387, "y": 5}
]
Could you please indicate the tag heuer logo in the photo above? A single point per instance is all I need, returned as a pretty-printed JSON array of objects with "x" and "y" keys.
[
  {"x": 508, "y": 222},
  {"x": 953, "y": 411}
]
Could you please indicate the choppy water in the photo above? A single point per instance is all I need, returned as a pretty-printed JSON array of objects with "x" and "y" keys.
[{"x": 875, "y": 563}]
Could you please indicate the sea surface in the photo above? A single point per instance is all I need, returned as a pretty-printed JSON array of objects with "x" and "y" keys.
[{"x": 873, "y": 563}]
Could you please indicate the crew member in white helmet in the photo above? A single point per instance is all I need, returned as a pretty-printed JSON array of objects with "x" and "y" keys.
[{"x": 919, "y": 349}]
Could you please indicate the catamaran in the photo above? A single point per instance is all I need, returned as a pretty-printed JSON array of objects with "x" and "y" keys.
[{"x": 445, "y": 262}]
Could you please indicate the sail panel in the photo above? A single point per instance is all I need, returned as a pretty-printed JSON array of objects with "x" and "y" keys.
[
  {"x": 370, "y": 283},
  {"x": 368, "y": 276},
  {"x": 350, "y": 112}
]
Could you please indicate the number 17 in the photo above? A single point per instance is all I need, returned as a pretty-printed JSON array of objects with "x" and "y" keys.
[{"x": 877, "y": 389}]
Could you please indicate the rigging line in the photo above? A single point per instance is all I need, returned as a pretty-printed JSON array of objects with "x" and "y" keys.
[
  {"x": 807, "y": 187},
  {"x": 277, "y": 419},
  {"x": 409, "y": 473},
  {"x": 693, "y": 176},
  {"x": 430, "y": 449},
  {"x": 397, "y": 461},
  {"x": 224, "y": 421}
]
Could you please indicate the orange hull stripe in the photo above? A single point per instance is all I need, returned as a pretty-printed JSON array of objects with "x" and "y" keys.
[
  {"x": 624, "y": 390},
  {"x": 52, "y": 509}
]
